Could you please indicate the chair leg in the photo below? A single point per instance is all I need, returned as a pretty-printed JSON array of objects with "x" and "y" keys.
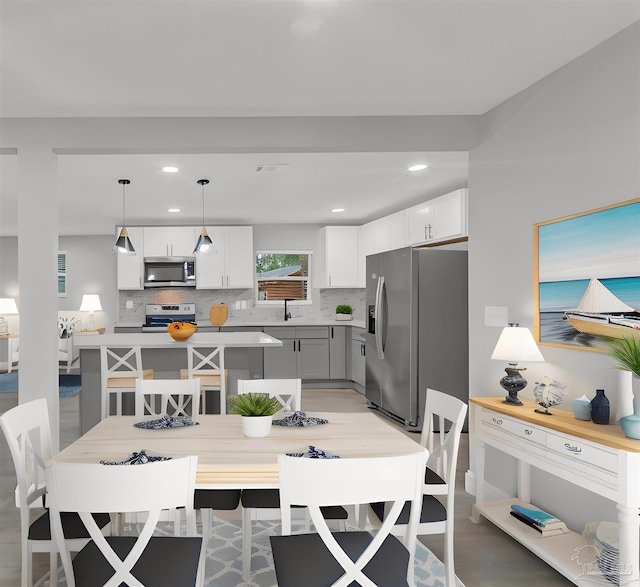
[
  {"x": 205, "y": 518},
  {"x": 449, "y": 570},
  {"x": 246, "y": 544},
  {"x": 53, "y": 567},
  {"x": 27, "y": 563}
]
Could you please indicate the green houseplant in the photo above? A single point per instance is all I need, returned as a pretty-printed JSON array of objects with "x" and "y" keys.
[
  {"x": 626, "y": 352},
  {"x": 344, "y": 312},
  {"x": 257, "y": 410}
]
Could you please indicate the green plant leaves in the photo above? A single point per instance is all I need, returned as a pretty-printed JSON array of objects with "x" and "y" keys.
[{"x": 254, "y": 404}]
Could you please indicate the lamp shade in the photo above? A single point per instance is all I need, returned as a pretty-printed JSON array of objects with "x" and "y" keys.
[
  {"x": 516, "y": 344},
  {"x": 90, "y": 303},
  {"x": 8, "y": 306}
]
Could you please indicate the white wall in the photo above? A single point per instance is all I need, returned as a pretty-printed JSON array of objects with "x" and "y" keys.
[{"x": 568, "y": 144}]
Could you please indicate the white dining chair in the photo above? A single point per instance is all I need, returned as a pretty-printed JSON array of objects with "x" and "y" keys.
[
  {"x": 141, "y": 560},
  {"x": 327, "y": 558},
  {"x": 207, "y": 364},
  {"x": 265, "y": 503},
  {"x": 26, "y": 428},
  {"x": 167, "y": 397},
  {"x": 181, "y": 397},
  {"x": 13, "y": 353},
  {"x": 444, "y": 417},
  {"x": 119, "y": 370}
]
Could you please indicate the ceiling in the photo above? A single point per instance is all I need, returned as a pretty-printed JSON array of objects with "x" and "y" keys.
[{"x": 218, "y": 58}]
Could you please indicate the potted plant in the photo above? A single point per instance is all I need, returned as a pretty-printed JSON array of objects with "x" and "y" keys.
[
  {"x": 626, "y": 351},
  {"x": 257, "y": 410},
  {"x": 344, "y": 312}
]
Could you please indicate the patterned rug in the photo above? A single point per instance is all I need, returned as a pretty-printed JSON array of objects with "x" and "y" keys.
[
  {"x": 69, "y": 383},
  {"x": 224, "y": 558}
]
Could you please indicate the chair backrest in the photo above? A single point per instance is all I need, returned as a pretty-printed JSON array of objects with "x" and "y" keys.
[
  {"x": 14, "y": 349},
  {"x": 167, "y": 397},
  {"x": 325, "y": 482},
  {"x": 26, "y": 428},
  {"x": 287, "y": 391},
  {"x": 95, "y": 488},
  {"x": 203, "y": 361},
  {"x": 118, "y": 368},
  {"x": 446, "y": 414}
]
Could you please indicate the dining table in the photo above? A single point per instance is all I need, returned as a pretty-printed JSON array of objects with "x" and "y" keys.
[{"x": 226, "y": 458}]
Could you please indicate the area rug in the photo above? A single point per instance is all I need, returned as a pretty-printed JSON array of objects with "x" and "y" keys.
[
  {"x": 224, "y": 558},
  {"x": 69, "y": 383}
]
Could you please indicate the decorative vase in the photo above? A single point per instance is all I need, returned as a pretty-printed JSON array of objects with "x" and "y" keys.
[
  {"x": 631, "y": 424},
  {"x": 256, "y": 426},
  {"x": 600, "y": 408}
]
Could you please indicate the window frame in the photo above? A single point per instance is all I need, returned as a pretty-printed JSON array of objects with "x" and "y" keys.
[{"x": 278, "y": 303}]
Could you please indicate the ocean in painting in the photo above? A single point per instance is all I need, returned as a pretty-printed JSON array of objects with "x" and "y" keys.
[{"x": 558, "y": 296}]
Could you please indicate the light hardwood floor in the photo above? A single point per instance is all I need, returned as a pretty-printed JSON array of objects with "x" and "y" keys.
[{"x": 484, "y": 556}]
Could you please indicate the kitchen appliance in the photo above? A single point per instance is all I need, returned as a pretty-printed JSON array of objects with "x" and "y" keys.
[
  {"x": 159, "y": 316},
  {"x": 417, "y": 330},
  {"x": 169, "y": 272}
]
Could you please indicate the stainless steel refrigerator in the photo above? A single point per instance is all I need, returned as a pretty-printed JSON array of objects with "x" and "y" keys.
[{"x": 417, "y": 331}]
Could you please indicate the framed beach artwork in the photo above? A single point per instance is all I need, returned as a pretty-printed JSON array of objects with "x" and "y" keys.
[{"x": 587, "y": 277}]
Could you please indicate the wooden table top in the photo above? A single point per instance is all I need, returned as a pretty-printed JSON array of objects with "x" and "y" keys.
[
  {"x": 562, "y": 421},
  {"x": 226, "y": 458}
]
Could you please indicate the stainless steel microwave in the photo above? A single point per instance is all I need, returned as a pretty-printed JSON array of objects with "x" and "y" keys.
[{"x": 169, "y": 272}]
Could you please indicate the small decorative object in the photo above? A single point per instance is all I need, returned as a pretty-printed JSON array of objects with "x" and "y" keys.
[
  {"x": 181, "y": 331},
  {"x": 626, "y": 351},
  {"x": 257, "y": 410},
  {"x": 548, "y": 394},
  {"x": 218, "y": 314},
  {"x": 582, "y": 408},
  {"x": 600, "y": 408},
  {"x": 344, "y": 312},
  {"x": 515, "y": 344}
]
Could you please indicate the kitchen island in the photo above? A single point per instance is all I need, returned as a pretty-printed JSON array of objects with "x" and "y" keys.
[{"x": 159, "y": 352}]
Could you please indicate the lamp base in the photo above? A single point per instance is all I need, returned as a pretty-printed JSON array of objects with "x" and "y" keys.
[{"x": 513, "y": 382}]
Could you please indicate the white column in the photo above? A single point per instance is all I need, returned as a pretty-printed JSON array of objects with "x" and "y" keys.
[{"x": 38, "y": 276}]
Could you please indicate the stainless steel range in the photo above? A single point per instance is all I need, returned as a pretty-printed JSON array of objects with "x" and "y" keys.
[{"x": 158, "y": 316}]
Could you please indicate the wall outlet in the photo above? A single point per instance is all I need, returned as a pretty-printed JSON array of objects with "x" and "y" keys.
[
  {"x": 129, "y": 305},
  {"x": 496, "y": 316}
]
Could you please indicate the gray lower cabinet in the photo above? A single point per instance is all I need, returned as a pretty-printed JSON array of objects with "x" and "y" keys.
[
  {"x": 358, "y": 351},
  {"x": 338, "y": 352},
  {"x": 304, "y": 353}
]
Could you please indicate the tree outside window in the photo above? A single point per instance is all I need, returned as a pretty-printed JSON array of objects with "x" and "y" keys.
[{"x": 282, "y": 275}]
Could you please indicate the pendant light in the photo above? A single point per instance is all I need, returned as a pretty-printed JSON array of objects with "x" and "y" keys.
[
  {"x": 204, "y": 243},
  {"x": 123, "y": 243}
]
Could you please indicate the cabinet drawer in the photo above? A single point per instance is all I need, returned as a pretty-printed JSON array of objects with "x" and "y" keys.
[
  {"x": 281, "y": 331},
  {"x": 517, "y": 428},
  {"x": 561, "y": 448},
  {"x": 312, "y": 332}
]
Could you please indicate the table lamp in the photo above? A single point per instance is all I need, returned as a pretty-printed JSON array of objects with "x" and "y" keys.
[
  {"x": 515, "y": 344},
  {"x": 7, "y": 306},
  {"x": 90, "y": 303}
]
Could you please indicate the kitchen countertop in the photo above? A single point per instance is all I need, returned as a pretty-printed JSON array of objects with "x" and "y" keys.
[
  {"x": 265, "y": 324},
  {"x": 164, "y": 340}
]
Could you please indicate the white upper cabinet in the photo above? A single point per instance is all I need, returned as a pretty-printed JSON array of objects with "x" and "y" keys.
[
  {"x": 397, "y": 225},
  {"x": 440, "y": 219},
  {"x": 231, "y": 262},
  {"x": 170, "y": 241},
  {"x": 130, "y": 268},
  {"x": 336, "y": 259}
]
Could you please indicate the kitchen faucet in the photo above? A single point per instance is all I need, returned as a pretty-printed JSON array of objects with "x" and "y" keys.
[{"x": 287, "y": 315}]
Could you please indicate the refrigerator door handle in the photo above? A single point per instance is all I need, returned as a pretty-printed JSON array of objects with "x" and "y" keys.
[{"x": 378, "y": 317}]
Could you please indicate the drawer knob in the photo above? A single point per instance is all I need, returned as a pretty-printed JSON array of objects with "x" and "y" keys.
[
  {"x": 572, "y": 448},
  {"x": 528, "y": 432},
  {"x": 497, "y": 421}
]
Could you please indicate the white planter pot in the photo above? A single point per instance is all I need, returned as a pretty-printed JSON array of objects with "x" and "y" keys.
[
  {"x": 344, "y": 316},
  {"x": 256, "y": 426}
]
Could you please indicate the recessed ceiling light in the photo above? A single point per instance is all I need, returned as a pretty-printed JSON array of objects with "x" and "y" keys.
[
  {"x": 169, "y": 169},
  {"x": 338, "y": 210},
  {"x": 173, "y": 210},
  {"x": 418, "y": 167}
]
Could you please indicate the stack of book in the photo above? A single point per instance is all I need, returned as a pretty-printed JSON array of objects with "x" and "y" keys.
[{"x": 546, "y": 524}]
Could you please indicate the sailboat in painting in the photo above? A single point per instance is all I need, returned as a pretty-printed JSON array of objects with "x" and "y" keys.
[{"x": 601, "y": 313}]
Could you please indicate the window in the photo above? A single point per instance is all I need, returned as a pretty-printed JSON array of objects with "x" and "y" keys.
[
  {"x": 283, "y": 275},
  {"x": 62, "y": 274}
]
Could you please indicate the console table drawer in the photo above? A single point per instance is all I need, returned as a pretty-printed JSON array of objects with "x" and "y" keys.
[
  {"x": 562, "y": 448},
  {"x": 515, "y": 427}
]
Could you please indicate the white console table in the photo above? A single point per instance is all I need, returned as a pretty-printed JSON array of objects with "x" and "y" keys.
[{"x": 597, "y": 457}]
